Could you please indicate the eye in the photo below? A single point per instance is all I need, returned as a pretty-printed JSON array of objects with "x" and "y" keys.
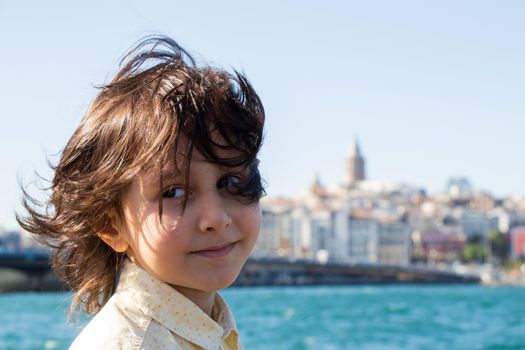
[
  {"x": 229, "y": 181},
  {"x": 174, "y": 192}
]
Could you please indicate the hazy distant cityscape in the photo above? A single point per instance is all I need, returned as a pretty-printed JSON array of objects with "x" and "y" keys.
[
  {"x": 385, "y": 223},
  {"x": 375, "y": 222}
]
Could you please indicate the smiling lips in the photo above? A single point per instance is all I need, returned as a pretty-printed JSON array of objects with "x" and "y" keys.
[{"x": 217, "y": 251}]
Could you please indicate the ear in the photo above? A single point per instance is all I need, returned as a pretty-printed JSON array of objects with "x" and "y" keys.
[{"x": 114, "y": 238}]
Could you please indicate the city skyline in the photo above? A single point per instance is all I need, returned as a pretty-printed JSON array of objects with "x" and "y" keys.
[{"x": 431, "y": 90}]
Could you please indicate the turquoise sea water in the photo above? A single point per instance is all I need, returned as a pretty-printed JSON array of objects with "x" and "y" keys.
[{"x": 349, "y": 317}]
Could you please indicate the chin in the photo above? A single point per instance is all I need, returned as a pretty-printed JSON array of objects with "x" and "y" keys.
[{"x": 220, "y": 281}]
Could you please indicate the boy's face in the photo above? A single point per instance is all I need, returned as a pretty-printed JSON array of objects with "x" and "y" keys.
[{"x": 203, "y": 248}]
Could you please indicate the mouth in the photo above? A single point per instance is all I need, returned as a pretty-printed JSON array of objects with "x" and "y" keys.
[{"x": 216, "y": 251}]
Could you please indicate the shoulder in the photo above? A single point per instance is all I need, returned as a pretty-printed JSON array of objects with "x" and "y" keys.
[
  {"x": 118, "y": 325},
  {"x": 121, "y": 325}
]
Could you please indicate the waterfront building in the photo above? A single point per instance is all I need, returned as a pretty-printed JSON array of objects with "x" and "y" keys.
[
  {"x": 268, "y": 242},
  {"x": 300, "y": 229},
  {"x": 20, "y": 242},
  {"x": 286, "y": 229},
  {"x": 10, "y": 242},
  {"x": 276, "y": 236},
  {"x": 517, "y": 242},
  {"x": 394, "y": 246},
  {"x": 323, "y": 235},
  {"x": 475, "y": 224},
  {"x": 502, "y": 220},
  {"x": 363, "y": 240},
  {"x": 437, "y": 246}
]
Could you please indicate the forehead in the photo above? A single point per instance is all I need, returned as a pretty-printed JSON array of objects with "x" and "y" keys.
[
  {"x": 172, "y": 165},
  {"x": 176, "y": 164},
  {"x": 180, "y": 158}
]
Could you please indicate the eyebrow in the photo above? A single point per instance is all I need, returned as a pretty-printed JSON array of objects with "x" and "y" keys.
[
  {"x": 167, "y": 173},
  {"x": 240, "y": 168}
]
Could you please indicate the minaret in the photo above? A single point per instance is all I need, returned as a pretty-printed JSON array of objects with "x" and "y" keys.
[{"x": 355, "y": 164}]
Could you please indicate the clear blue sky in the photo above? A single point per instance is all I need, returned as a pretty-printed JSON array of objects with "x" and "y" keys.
[{"x": 432, "y": 89}]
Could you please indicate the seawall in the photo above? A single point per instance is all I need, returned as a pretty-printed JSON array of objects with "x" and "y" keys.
[
  {"x": 284, "y": 272},
  {"x": 22, "y": 274}
]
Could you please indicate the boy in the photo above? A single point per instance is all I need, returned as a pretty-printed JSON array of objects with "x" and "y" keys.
[{"x": 155, "y": 203}]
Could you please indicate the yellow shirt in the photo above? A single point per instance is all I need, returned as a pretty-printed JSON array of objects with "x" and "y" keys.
[{"x": 146, "y": 313}]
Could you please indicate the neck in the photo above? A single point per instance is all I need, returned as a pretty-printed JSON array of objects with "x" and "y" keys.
[{"x": 204, "y": 300}]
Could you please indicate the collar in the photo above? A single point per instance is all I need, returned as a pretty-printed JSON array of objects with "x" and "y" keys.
[{"x": 176, "y": 312}]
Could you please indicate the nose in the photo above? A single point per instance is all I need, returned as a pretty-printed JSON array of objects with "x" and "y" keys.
[{"x": 214, "y": 215}]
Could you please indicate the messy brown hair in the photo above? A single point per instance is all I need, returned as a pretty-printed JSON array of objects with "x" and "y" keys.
[{"x": 158, "y": 95}]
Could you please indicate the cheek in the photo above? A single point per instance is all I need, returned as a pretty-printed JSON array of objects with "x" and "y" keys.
[
  {"x": 249, "y": 220},
  {"x": 156, "y": 235}
]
